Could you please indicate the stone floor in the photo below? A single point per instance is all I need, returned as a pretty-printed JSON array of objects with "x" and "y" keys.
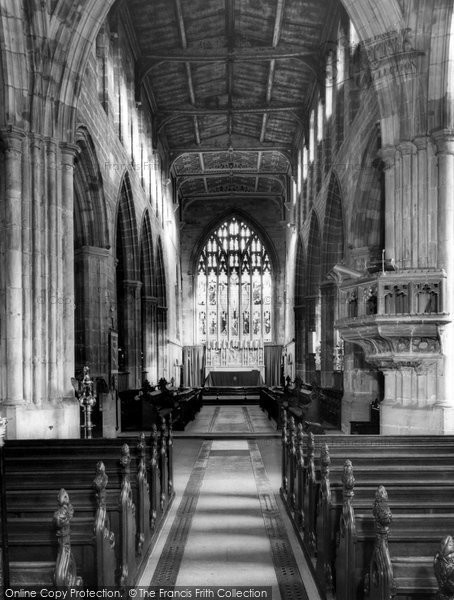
[{"x": 227, "y": 525}]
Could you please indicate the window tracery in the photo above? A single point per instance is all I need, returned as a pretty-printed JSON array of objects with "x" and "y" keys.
[{"x": 234, "y": 288}]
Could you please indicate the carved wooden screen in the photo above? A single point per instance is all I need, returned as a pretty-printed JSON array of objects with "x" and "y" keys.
[{"x": 234, "y": 288}]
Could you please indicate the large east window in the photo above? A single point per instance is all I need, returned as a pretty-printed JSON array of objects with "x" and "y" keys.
[{"x": 234, "y": 305}]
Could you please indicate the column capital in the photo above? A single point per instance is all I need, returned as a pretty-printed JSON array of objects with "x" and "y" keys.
[
  {"x": 444, "y": 140},
  {"x": 421, "y": 141},
  {"x": 132, "y": 283},
  {"x": 406, "y": 147},
  {"x": 36, "y": 140},
  {"x": 92, "y": 251},
  {"x": 388, "y": 156},
  {"x": 68, "y": 152},
  {"x": 12, "y": 138},
  {"x": 51, "y": 144}
]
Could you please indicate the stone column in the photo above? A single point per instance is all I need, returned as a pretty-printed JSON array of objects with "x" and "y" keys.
[
  {"x": 12, "y": 328},
  {"x": 328, "y": 300},
  {"x": 68, "y": 152},
  {"x": 132, "y": 322},
  {"x": 52, "y": 291},
  {"x": 422, "y": 230},
  {"x": 36, "y": 286},
  {"x": 404, "y": 215},
  {"x": 444, "y": 140},
  {"x": 149, "y": 338},
  {"x": 161, "y": 326},
  {"x": 26, "y": 231},
  {"x": 388, "y": 154}
]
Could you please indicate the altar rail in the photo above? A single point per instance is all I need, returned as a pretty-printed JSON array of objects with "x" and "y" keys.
[
  {"x": 121, "y": 491},
  {"x": 339, "y": 492}
]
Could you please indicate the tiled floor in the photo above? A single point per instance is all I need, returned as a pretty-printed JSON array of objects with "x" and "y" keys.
[{"x": 227, "y": 525}]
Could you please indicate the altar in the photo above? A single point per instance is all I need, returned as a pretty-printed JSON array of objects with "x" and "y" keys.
[{"x": 233, "y": 378}]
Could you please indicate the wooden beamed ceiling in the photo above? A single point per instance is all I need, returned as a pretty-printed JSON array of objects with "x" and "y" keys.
[{"x": 232, "y": 81}]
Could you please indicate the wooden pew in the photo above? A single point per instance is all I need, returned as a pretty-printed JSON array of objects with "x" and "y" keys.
[
  {"x": 140, "y": 492},
  {"x": 418, "y": 473},
  {"x": 402, "y": 562},
  {"x": 368, "y": 564},
  {"x": 444, "y": 568},
  {"x": 55, "y": 563}
]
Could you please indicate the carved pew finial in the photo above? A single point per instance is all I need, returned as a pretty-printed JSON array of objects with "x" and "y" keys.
[
  {"x": 380, "y": 581},
  {"x": 65, "y": 566},
  {"x": 284, "y": 442},
  {"x": 444, "y": 569},
  {"x": 310, "y": 495},
  {"x": 155, "y": 477},
  {"x": 323, "y": 524},
  {"x": 143, "y": 496},
  {"x": 125, "y": 460},
  {"x": 127, "y": 520},
  {"x": 382, "y": 512},
  {"x": 299, "y": 509},
  {"x": 100, "y": 483},
  {"x": 346, "y": 538},
  {"x": 105, "y": 538},
  {"x": 325, "y": 461},
  {"x": 348, "y": 480}
]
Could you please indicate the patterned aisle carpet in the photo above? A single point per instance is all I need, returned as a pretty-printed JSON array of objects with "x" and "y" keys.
[
  {"x": 228, "y": 529},
  {"x": 221, "y": 421}
]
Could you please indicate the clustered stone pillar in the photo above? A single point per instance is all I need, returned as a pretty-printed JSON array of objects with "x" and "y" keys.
[
  {"x": 36, "y": 265},
  {"x": 132, "y": 322},
  {"x": 68, "y": 153},
  {"x": 444, "y": 140},
  {"x": 149, "y": 370},
  {"x": 37, "y": 261},
  {"x": 328, "y": 310},
  {"x": 12, "y": 329}
]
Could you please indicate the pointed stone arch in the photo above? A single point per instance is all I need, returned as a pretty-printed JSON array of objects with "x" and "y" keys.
[
  {"x": 314, "y": 256},
  {"x": 93, "y": 260},
  {"x": 367, "y": 228},
  {"x": 128, "y": 290},
  {"x": 147, "y": 264},
  {"x": 148, "y": 302},
  {"x": 333, "y": 227},
  {"x": 299, "y": 308},
  {"x": 312, "y": 327},
  {"x": 126, "y": 230},
  {"x": 90, "y": 214},
  {"x": 332, "y": 253},
  {"x": 160, "y": 292}
]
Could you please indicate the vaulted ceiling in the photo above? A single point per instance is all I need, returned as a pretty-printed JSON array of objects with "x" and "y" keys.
[{"x": 231, "y": 82}]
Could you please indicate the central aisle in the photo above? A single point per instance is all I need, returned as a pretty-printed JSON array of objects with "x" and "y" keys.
[
  {"x": 226, "y": 528},
  {"x": 230, "y": 419}
]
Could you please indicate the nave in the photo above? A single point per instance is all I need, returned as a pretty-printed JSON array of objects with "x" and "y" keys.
[{"x": 228, "y": 526}]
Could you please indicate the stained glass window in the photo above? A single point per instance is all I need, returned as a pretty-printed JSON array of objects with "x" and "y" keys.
[{"x": 234, "y": 287}]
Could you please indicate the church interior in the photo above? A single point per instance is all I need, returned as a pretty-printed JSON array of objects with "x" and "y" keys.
[{"x": 227, "y": 297}]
